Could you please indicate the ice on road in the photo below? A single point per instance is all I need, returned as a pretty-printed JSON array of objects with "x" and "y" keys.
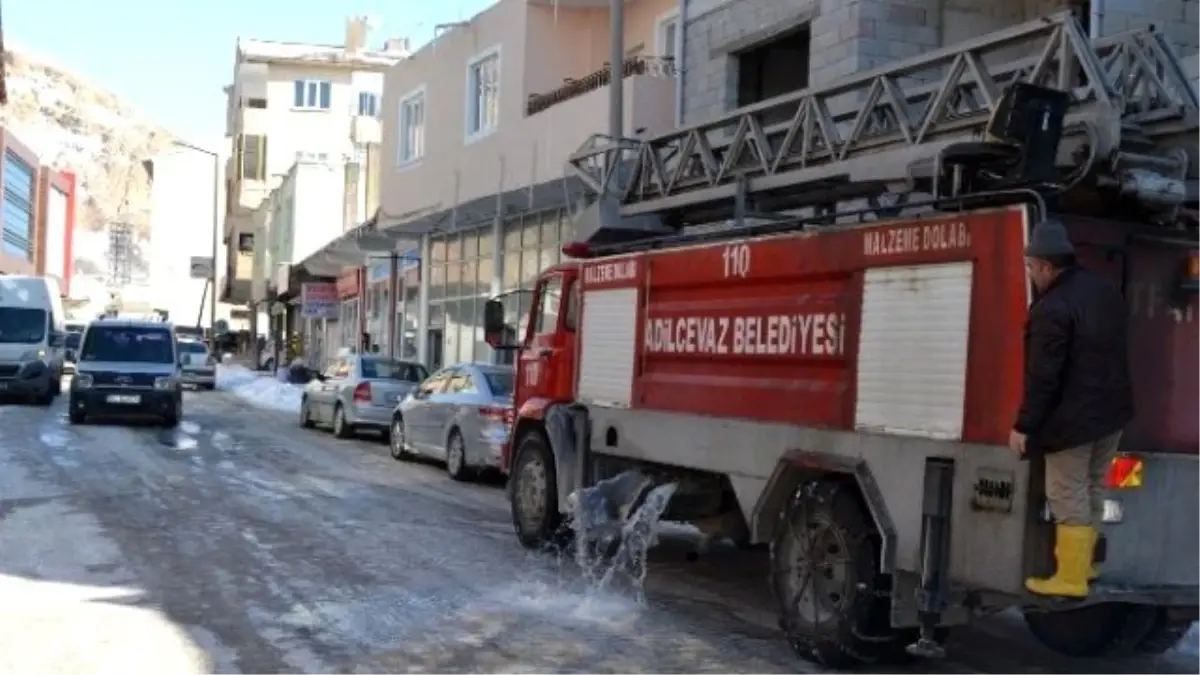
[{"x": 242, "y": 543}]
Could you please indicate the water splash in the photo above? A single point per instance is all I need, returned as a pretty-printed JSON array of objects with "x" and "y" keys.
[{"x": 616, "y": 522}]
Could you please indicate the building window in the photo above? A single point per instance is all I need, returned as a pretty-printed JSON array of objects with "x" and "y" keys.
[
  {"x": 666, "y": 35},
  {"x": 412, "y": 128},
  {"x": 368, "y": 103},
  {"x": 18, "y": 206},
  {"x": 252, "y": 150},
  {"x": 245, "y": 242},
  {"x": 312, "y": 95},
  {"x": 256, "y": 103},
  {"x": 483, "y": 94},
  {"x": 769, "y": 69}
]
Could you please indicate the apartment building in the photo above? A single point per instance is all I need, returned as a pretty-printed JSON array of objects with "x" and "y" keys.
[
  {"x": 289, "y": 100},
  {"x": 181, "y": 227},
  {"x": 19, "y": 217},
  {"x": 738, "y": 52},
  {"x": 56, "y": 225},
  {"x": 477, "y": 127}
]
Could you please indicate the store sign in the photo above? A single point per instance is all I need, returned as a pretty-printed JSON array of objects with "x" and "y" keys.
[
  {"x": 348, "y": 284},
  {"x": 319, "y": 301}
]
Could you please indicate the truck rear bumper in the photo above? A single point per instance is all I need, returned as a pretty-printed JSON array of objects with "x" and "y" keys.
[{"x": 1154, "y": 543}]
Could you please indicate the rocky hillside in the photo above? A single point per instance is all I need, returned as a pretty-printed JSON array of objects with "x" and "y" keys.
[{"x": 73, "y": 124}]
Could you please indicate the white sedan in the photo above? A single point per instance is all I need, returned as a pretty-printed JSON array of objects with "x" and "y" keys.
[{"x": 197, "y": 364}]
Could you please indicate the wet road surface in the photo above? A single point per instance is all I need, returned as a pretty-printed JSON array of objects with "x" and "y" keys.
[{"x": 242, "y": 543}]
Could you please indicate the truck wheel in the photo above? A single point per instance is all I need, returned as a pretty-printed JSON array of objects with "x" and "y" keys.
[
  {"x": 533, "y": 494},
  {"x": 1164, "y": 634},
  {"x": 833, "y": 603},
  {"x": 1104, "y": 629}
]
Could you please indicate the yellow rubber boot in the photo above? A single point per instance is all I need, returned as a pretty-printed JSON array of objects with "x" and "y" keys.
[{"x": 1073, "y": 553}]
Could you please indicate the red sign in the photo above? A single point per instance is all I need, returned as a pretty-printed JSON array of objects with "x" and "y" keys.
[{"x": 349, "y": 284}]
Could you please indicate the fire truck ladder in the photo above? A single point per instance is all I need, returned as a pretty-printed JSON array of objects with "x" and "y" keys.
[{"x": 1130, "y": 128}]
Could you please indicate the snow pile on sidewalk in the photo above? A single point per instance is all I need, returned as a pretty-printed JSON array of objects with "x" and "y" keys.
[{"x": 259, "y": 389}]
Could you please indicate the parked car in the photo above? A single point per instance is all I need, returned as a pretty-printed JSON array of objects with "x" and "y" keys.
[
  {"x": 460, "y": 415},
  {"x": 358, "y": 392},
  {"x": 199, "y": 365},
  {"x": 31, "y": 338},
  {"x": 127, "y": 369},
  {"x": 71, "y": 350}
]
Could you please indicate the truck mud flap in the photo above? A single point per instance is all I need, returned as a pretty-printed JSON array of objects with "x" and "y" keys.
[{"x": 567, "y": 428}]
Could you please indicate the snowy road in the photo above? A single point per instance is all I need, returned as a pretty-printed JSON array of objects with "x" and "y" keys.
[{"x": 240, "y": 542}]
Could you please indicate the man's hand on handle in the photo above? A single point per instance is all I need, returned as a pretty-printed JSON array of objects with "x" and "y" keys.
[{"x": 1016, "y": 441}]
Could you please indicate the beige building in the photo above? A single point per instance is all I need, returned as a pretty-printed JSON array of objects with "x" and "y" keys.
[
  {"x": 291, "y": 101},
  {"x": 477, "y": 127}
]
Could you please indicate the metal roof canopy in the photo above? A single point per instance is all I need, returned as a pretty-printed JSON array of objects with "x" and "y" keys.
[{"x": 860, "y": 137}]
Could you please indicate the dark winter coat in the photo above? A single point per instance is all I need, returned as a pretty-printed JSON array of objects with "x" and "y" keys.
[{"x": 1077, "y": 386}]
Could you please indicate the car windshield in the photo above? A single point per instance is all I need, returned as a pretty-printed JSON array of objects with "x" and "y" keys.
[
  {"x": 128, "y": 344},
  {"x": 500, "y": 382},
  {"x": 72, "y": 340},
  {"x": 383, "y": 369},
  {"x": 22, "y": 325},
  {"x": 192, "y": 348}
]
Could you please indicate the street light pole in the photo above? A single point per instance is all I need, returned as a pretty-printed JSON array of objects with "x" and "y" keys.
[
  {"x": 216, "y": 216},
  {"x": 616, "y": 87}
]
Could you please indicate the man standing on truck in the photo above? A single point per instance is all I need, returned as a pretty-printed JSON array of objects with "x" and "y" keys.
[{"x": 1078, "y": 398}]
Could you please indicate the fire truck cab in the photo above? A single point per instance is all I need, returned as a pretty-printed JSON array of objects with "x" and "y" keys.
[{"x": 826, "y": 355}]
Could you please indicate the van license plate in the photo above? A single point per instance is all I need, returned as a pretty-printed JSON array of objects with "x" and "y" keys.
[{"x": 124, "y": 398}]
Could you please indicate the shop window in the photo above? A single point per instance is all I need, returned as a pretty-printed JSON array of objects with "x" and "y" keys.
[
  {"x": 437, "y": 282},
  {"x": 529, "y": 234},
  {"x": 512, "y": 270},
  {"x": 453, "y": 280},
  {"x": 483, "y": 275},
  {"x": 550, "y": 231},
  {"x": 512, "y": 235},
  {"x": 469, "y": 281}
]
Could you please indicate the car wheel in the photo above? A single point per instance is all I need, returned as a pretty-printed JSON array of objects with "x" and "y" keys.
[
  {"x": 305, "y": 416},
  {"x": 46, "y": 398},
  {"x": 76, "y": 416},
  {"x": 341, "y": 428},
  {"x": 456, "y": 456},
  {"x": 396, "y": 440}
]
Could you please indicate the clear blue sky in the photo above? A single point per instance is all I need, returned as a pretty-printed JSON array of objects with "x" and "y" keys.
[{"x": 170, "y": 59}]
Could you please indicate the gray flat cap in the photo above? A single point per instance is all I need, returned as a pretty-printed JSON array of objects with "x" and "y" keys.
[{"x": 1049, "y": 239}]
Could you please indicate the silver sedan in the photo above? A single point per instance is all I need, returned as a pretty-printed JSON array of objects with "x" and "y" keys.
[
  {"x": 358, "y": 392},
  {"x": 460, "y": 415}
]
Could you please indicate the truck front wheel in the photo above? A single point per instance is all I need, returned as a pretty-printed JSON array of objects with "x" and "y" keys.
[
  {"x": 834, "y": 605},
  {"x": 533, "y": 493}
]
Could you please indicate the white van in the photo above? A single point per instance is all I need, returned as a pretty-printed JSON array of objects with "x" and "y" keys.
[{"x": 31, "y": 338}]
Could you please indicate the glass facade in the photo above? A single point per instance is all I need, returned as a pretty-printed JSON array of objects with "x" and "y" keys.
[
  {"x": 18, "y": 206},
  {"x": 461, "y": 272}
]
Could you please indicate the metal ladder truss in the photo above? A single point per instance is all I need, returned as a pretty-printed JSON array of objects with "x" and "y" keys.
[{"x": 870, "y": 128}]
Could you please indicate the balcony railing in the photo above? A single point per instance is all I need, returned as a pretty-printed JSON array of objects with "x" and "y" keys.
[{"x": 654, "y": 66}]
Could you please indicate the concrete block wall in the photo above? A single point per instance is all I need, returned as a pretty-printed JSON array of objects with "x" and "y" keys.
[{"x": 854, "y": 35}]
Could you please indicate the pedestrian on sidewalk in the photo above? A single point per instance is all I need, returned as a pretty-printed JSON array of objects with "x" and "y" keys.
[{"x": 1077, "y": 398}]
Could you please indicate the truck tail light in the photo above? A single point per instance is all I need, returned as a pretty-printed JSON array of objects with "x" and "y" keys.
[
  {"x": 495, "y": 413},
  {"x": 1125, "y": 471},
  {"x": 362, "y": 393}
]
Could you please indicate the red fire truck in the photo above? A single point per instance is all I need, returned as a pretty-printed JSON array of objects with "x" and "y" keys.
[{"x": 808, "y": 316}]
